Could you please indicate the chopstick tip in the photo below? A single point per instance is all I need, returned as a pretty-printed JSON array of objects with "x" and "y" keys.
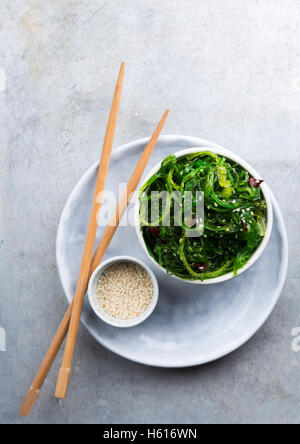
[
  {"x": 121, "y": 75},
  {"x": 29, "y": 401},
  {"x": 165, "y": 115}
]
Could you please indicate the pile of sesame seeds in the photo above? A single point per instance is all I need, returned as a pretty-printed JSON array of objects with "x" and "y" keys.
[{"x": 125, "y": 290}]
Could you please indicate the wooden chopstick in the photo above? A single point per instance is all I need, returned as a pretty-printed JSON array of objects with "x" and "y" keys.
[
  {"x": 65, "y": 370},
  {"x": 127, "y": 195},
  {"x": 88, "y": 247},
  {"x": 63, "y": 328}
]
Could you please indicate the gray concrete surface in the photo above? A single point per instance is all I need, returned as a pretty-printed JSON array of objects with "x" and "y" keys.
[{"x": 229, "y": 71}]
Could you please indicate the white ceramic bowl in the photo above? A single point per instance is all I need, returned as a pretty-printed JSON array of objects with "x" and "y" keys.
[
  {"x": 269, "y": 211},
  {"x": 102, "y": 314}
]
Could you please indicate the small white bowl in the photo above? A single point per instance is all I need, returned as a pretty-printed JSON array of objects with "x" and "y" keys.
[
  {"x": 269, "y": 223},
  {"x": 100, "y": 312}
]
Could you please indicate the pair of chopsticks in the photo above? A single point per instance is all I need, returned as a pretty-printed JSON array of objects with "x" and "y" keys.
[{"x": 70, "y": 322}]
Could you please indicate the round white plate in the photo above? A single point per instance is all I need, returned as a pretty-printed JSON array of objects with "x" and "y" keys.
[{"x": 191, "y": 324}]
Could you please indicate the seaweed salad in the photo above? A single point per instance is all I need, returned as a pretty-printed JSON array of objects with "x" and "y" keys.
[{"x": 234, "y": 216}]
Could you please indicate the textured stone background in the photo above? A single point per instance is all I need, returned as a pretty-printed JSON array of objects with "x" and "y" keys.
[{"x": 229, "y": 71}]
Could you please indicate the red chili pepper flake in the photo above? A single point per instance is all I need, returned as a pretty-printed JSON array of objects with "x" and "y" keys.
[
  {"x": 201, "y": 267},
  {"x": 255, "y": 183},
  {"x": 155, "y": 231},
  {"x": 245, "y": 226}
]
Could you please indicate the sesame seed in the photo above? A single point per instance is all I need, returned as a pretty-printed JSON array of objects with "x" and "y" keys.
[{"x": 125, "y": 290}]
